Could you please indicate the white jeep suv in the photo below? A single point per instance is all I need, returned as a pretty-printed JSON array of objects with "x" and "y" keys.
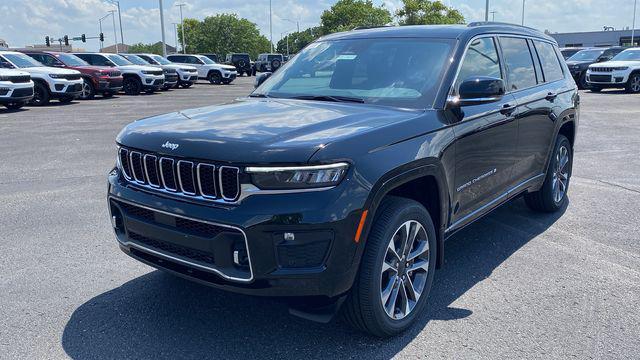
[
  {"x": 170, "y": 73},
  {"x": 136, "y": 78},
  {"x": 49, "y": 82},
  {"x": 207, "y": 68},
  {"x": 16, "y": 88},
  {"x": 623, "y": 71},
  {"x": 187, "y": 75}
]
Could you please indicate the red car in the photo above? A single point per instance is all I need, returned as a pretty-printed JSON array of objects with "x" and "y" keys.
[{"x": 97, "y": 79}]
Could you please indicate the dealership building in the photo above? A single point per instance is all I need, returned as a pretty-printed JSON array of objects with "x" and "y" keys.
[{"x": 597, "y": 38}]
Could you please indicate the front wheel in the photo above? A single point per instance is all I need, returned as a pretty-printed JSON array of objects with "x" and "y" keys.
[
  {"x": 633, "y": 84},
  {"x": 88, "y": 92},
  {"x": 553, "y": 193},
  {"x": 132, "y": 86},
  {"x": 214, "y": 77},
  {"x": 186, "y": 85},
  {"x": 582, "y": 82},
  {"x": 41, "y": 95},
  {"x": 15, "y": 105},
  {"x": 396, "y": 271}
]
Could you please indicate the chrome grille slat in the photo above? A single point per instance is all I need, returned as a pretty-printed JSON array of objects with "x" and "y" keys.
[
  {"x": 135, "y": 158},
  {"x": 187, "y": 182},
  {"x": 229, "y": 192},
  {"x": 208, "y": 191},
  {"x": 168, "y": 177},
  {"x": 150, "y": 162},
  {"x": 123, "y": 160}
]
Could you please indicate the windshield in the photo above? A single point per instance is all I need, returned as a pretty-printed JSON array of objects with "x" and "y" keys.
[
  {"x": 22, "y": 61},
  {"x": 206, "y": 60},
  {"x": 586, "y": 55},
  {"x": 136, "y": 59},
  {"x": 628, "y": 55},
  {"x": 71, "y": 60},
  {"x": 160, "y": 60},
  {"x": 402, "y": 72},
  {"x": 119, "y": 60}
]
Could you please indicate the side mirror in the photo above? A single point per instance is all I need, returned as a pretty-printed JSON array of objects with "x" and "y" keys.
[
  {"x": 261, "y": 78},
  {"x": 479, "y": 90}
]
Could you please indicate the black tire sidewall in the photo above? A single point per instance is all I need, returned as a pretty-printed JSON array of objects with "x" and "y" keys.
[
  {"x": 548, "y": 184},
  {"x": 214, "y": 77},
  {"x": 92, "y": 91},
  {"x": 630, "y": 81},
  {"x": 135, "y": 82},
  {"x": 39, "y": 87}
]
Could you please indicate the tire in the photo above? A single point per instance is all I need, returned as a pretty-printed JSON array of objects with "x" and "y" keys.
[
  {"x": 553, "y": 194},
  {"x": 41, "y": 95},
  {"x": 107, "y": 94},
  {"x": 275, "y": 64},
  {"x": 633, "y": 84},
  {"x": 132, "y": 85},
  {"x": 66, "y": 99},
  {"x": 595, "y": 89},
  {"x": 15, "y": 105},
  {"x": 582, "y": 82},
  {"x": 186, "y": 85},
  {"x": 249, "y": 73},
  {"x": 214, "y": 77},
  {"x": 88, "y": 91},
  {"x": 364, "y": 307}
]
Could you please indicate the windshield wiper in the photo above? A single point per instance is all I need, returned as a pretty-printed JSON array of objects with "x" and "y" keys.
[{"x": 335, "y": 98}]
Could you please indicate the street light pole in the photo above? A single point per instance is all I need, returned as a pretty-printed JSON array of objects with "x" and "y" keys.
[
  {"x": 175, "y": 34},
  {"x": 486, "y": 11},
  {"x": 115, "y": 32},
  {"x": 184, "y": 44},
  {"x": 270, "y": 26},
  {"x": 164, "y": 44},
  {"x": 294, "y": 22},
  {"x": 523, "y": 4},
  {"x": 633, "y": 28}
]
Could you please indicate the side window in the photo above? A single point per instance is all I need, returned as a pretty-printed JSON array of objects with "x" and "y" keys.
[
  {"x": 5, "y": 64},
  {"x": 98, "y": 60},
  {"x": 481, "y": 59},
  {"x": 517, "y": 57},
  {"x": 550, "y": 64},
  {"x": 49, "y": 60}
]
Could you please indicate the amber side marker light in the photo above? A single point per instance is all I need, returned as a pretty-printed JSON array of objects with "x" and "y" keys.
[{"x": 363, "y": 218}]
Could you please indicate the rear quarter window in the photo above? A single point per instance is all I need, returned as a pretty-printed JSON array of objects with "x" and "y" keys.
[{"x": 551, "y": 67}]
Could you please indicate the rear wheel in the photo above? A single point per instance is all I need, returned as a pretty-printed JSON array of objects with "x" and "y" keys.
[
  {"x": 15, "y": 105},
  {"x": 132, "y": 85},
  {"x": 633, "y": 84},
  {"x": 553, "y": 193},
  {"x": 41, "y": 95},
  {"x": 214, "y": 77},
  {"x": 396, "y": 271},
  {"x": 88, "y": 92}
]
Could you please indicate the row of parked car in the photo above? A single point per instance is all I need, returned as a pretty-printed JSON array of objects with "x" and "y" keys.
[
  {"x": 605, "y": 67},
  {"x": 37, "y": 77}
]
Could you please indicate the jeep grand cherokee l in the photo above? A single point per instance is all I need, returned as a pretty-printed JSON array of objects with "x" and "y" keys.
[
  {"x": 340, "y": 177},
  {"x": 580, "y": 61},
  {"x": 49, "y": 82},
  {"x": 16, "y": 88},
  {"x": 187, "y": 75},
  {"x": 96, "y": 79},
  {"x": 623, "y": 71},
  {"x": 170, "y": 72},
  {"x": 207, "y": 69}
]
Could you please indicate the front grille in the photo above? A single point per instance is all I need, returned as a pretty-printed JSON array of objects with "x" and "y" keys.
[
  {"x": 170, "y": 71},
  {"x": 171, "y": 77},
  {"x": 182, "y": 177},
  {"x": 158, "y": 82},
  {"x": 600, "y": 78},
  {"x": 155, "y": 72},
  {"x": 20, "y": 79},
  {"x": 72, "y": 76},
  {"x": 601, "y": 69},
  {"x": 74, "y": 88},
  {"x": 114, "y": 73},
  {"x": 22, "y": 92}
]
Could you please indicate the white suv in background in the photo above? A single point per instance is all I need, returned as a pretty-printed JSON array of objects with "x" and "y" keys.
[
  {"x": 49, "y": 82},
  {"x": 207, "y": 68},
  {"x": 187, "y": 75},
  {"x": 170, "y": 73},
  {"x": 16, "y": 88},
  {"x": 136, "y": 78},
  {"x": 623, "y": 71}
]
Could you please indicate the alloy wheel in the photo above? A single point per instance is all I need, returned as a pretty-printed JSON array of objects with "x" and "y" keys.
[
  {"x": 86, "y": 90},
  {"x": 635, "y": 83},
  {"x": 560, "y": 180},
  {"x": 404, "y": 270}
]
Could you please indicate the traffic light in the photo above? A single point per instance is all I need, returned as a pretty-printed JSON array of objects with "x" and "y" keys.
[
  {"x": 66, "y": 40},
  {"x": 47, "y": 41},
  {"x": 83, "y": 37},
  {"x": 101, "y": 37}
]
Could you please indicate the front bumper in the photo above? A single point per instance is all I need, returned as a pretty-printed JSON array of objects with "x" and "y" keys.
[
  {"x": 613, "y": 79},
  {"x": 66, "y": 88},
  {"x": 12, "y": 92},
  {"x": 152, "y": 82},
  {"x": 170, "y": 80},
  {"x": 252, "y": 255},
  {"x": 109, "y": 85},
  {"x": 188, "y": 76},
  {"x": 229, "y": 75}
]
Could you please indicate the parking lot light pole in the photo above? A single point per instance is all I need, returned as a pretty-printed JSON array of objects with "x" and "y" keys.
[
  {"x": 523, "y": 4},
  {"x": 633, "y": 27},
  {"x": 175, "y": 34},
  {"x": 294, "y": 22},
  {"x": 184, "y": 44},
  {"x": 270, "y": 26},
  {"x": 486, "y": 11},
  {"x": 164, "y": 43},
  {"x": 115, "y": 32},
  {"x": 117, "y": 3}
]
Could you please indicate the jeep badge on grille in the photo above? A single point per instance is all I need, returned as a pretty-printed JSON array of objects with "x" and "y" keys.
[{"x": 168, "y": 145}]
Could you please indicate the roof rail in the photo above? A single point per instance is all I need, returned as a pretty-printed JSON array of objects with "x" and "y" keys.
[
  {"x": 486, "y": 23},
  {"x": 371, "y": 27}
]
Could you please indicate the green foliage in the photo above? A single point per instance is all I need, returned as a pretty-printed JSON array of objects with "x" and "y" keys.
[
  {"x": 425, "y": 12},
  {"x": 223, "y": 34},
  {"x": 346, "y": 15},
  {"x": 298, "y": 40},
  {"x": 146, "y": 48}
]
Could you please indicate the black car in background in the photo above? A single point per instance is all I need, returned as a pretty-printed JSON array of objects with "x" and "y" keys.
[
  {"x": 568, "y": 52},
  {"x": 580, "y": 61},
  {"x": 213, "y": 57},
  {"x": 338, "y": 180},
  {"x": 241, "y": 61}
]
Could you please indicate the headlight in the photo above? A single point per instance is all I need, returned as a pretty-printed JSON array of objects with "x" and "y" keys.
[
  {"x": 147, "y": 72},
  {"x": 621, "y": 68},
  {"x": 297, "y": 177},
  {"x": 186, "y": 70},
  {"x": 56, "y": 76}
]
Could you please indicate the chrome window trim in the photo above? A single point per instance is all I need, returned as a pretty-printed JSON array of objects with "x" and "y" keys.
[
  {"x": 146, "y": 170},
  {"x": 200, "y": 183},
  {"x": 180, "y": 178},
  {"x": 233, "y": 199},
  {"x": 164, "y": 184},
  {"x": 133, "y": 170},
  {"x": 173, "y": 258}
]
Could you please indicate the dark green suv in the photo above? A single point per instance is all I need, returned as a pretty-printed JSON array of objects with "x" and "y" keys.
[{"x": 242, "y": 62}]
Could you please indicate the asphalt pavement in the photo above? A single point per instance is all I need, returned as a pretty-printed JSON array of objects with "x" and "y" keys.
[{"x": 516, "y": 284}]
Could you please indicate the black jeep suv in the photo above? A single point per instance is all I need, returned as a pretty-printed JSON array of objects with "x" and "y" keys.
[
  {"x": 579, "y": 62},
  {"x": 340, "y": 177},
  {"x": 269, "y": 62},
  {"x": 242, "y": 62}
]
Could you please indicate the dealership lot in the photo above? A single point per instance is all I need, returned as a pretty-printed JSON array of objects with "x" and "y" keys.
[{"x": 516, "y": 284}]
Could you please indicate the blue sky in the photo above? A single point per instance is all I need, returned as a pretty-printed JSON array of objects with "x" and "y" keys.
[{"x": 26, "y": 22}]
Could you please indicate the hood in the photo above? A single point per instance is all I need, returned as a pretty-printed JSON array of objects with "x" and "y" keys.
[
  {"x": 50, "y": 70},
  {"x": 579, "y": 63},
  {"x": 176, "y": 66},
  {"x": 615, "y": 63},
  {"x": 12, "y": 72},
  {"x": 260, "y": 130},
  {"x": 220, "y": 66},
  {"x": 92, "y": 68},
  {"x": 138, "y": 68}
]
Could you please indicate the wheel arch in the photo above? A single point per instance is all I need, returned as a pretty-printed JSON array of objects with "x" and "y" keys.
[{"x": 43, "y": 83}]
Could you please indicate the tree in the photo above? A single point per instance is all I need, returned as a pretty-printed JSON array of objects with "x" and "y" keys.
[
  {"x": 346, "y": 15},
  {"x": 223, "y": 34},
  {"x": 146, "y": 48},
  {"x": 298, "y": 40},
  {"x": 425, "y": 12}
]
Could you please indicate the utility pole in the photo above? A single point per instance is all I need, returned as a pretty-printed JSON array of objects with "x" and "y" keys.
[
  {"x": 270, "y": 26},
  {"x": 115, "y": 32},
  {"x": 486, "y": 11},
  {"x": 117, "y": 3},
  {"x": 493, "y": 15},
  {"x": 184, "y": 44},
  {"x": 175, "y": 34},
  {"x": 164, "y": 44},
  {"x": 633, "y": 28},
  {"x": 523, "y": 4}
]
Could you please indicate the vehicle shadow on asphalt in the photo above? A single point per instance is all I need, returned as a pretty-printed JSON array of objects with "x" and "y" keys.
[{"x": 158, "y": 316}]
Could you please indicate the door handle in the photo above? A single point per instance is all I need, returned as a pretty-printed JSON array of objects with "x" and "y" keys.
[
  {"x": 551, "y": 96},
  {"x": 507, "y": 109}
]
